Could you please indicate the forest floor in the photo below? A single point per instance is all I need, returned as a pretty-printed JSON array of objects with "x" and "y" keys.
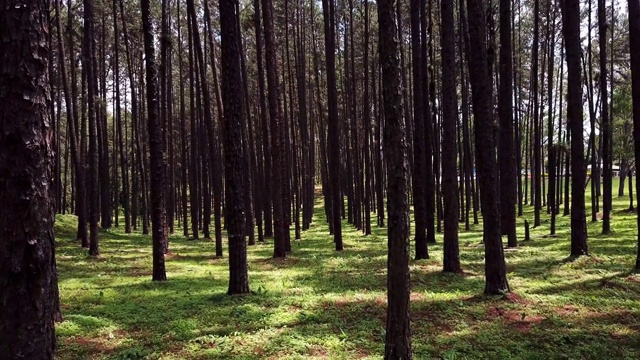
[{"x": 320, "y": 304}]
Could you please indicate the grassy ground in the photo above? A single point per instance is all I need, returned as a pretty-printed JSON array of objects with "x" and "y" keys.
[{"x": 319, "y": 304}]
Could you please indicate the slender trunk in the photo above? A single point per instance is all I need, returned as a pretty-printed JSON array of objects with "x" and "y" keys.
[{"x": 451, "y": 262}]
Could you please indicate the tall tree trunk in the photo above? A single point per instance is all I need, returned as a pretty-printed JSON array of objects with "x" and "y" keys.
[
  {"x": 217, "y": 169},
  {"x": 451, "y": 257},
  {"x": 537, "y": 128},
  {"x": 366, "y": 105},
  {"x": 123, "y": 153},
  {"x": 430, "y": 184},
  {"x": 495, "y": 269},
  {"x": 72, "y": 123},
  {"x": 29, "y": 286},
  {"x": 277, "y": 141},
  {"x": 328, "y": 10},
  {"x": 571, "y": 31},
  {"x": 634, "y": 45},
  {"x": 207, "y": 118},
  {"x": 398, "y": 332},
  {"x": 506, "y": 154},
  {"x": 551, "y": 149},
  {"x": 156, "y": 149},
  {"x": 233, "y": 97},
  {"x": 419, "y": 160},
  {"x": 183, "y": 132},
  {"x": 92, "y": 99},
  {"x": 266, "y": 146},
  {"x": 607, "y": 174}
]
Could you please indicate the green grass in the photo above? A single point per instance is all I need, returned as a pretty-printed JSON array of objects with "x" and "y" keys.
[{"x": 319, "y": 304}]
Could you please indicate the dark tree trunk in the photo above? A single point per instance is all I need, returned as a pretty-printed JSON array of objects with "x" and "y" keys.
[
  {"x": 378, "y": 148},
  {"x": 419, "y": 160},
  {"x": 123, "y": 153},
  {"x": 208, "y": 151},
  {"x": 72, "y": 121},
  {"x": 551, "y": 149},
  {"x": 398, "y": 332},
  {"x": 183, "y": 135},
  {"x": 266, "y": 146},
  {"x": 328, "y": 10},
  {"x": 429, "y": 133},
  {"x": 506, "y": 155},
  {"x": 29, "y": 285},
  {"x": 193, "y": 168},
  {"x": 634, "y": 45},
  {"x": 277, "y": 141},
  {"x": 155, "y": 148},
  {"x": 216, "y": 159},
  {"x": 607, "y": 174},
  {"x": 571, "y": 31},
  {"x": 495, "y": 269},
  {"x": 537, "y": 128},
  {"x": 92, "y": 97},
  {"x": 630, "y": 175},
  {"x": 366, "y": 105},
  {"x": 103, "y": 144},
  {"x": 451, "y": 257},
  {"x": 233, "y": 97}
]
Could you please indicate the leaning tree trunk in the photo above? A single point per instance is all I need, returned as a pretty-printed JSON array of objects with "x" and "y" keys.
[{"x": 28, "y": 285}]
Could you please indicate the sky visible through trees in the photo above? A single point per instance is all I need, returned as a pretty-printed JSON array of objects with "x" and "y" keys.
[{"x": 463, "y": 134}]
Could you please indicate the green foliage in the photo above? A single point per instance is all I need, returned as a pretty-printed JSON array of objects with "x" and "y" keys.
[
  {"x": 622, "y": 116},
  {"x": 319, "y": 304}
]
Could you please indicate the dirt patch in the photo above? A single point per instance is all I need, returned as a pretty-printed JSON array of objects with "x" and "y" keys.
[
  {"x": 517, "y": 319},
  {"x": 608, "y": 284},
  {"x": 317, "y": 351},
  {"x": 171, "y": 256},
  {"x": 516, "y": 299},
  {"x": 567, "y": 310},
  {"x": 96, "y": 345},
  {"x": 138, "y": 270}
]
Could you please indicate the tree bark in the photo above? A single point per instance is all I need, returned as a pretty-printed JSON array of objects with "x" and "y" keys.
[
  {"x": 571, "y": 31},
  {"x": 634, "y": 45},
  {"x": 607, "y": 173},
  {"x": 506, "y": 155},
  {"x": 495, "y": 269},
  {"x": 28, "y": 280},
  {"x": 92, "y": 97},
  {"x": 398, "y": 332},
  {"x": 233, "y": 97},
  {"x": 277, "y": 141},
  {"x": 328, "y": 10},
  {"x": 451, "y": 257},
  {"x": 156, "y": 149}
]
